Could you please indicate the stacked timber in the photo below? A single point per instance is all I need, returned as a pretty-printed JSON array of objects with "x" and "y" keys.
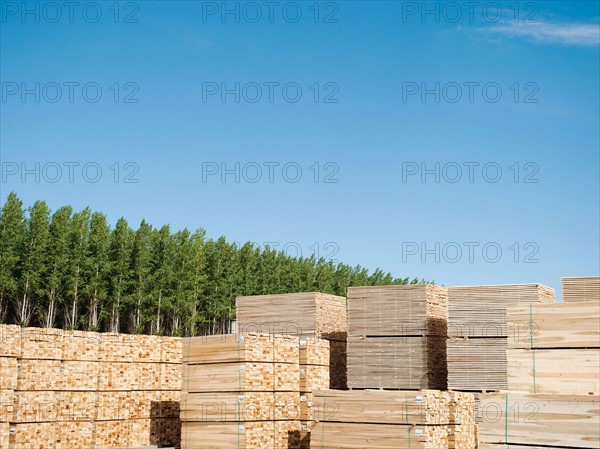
[
  {"x": 304, "y": 315},
  {"x": 397, "y": 337},
  {"x": 10, "y": 351},
  {"x": 539, "y": 420},
  {"x": 75, "y": 389},
  {"x": 242, "y": 391},
  {"x": 576, "y": 289},
  {"x": 478, "y": 332},
  {"x": 554, "y": 348},
  {"x": 394, "y": 419}
]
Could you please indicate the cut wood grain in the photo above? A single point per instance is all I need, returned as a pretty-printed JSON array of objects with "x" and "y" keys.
[
  {"x": 424, "y": 407},
  {"x": 554, "y": 371},
  {"x": 546, "y": 326},
  {"x": 545, "y": 420},
  {"x": 243, "y": 435},
  {"x": 334, "y": 435}
]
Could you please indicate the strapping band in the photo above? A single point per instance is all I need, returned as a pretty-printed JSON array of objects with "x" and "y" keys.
[{"x": 531, "y": 344}]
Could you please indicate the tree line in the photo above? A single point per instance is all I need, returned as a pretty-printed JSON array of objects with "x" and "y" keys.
[{"x": 73, "y": 270}]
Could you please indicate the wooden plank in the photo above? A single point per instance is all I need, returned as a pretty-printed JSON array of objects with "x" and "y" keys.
[
  {"x": 477, "y": 364},
  {"x": 544, "y": 326},
  {"x": 241, "y": 348},
  {"x": 424, "y": 407},
  {"x": 397, "y": 310},
  {"x": 480, "y": 311},
  {"x": 228, "y": 377},
  {"x": 334, "y": 435},
  {"x": 10, "y": 340},
  {"x": 547, "y": 420},
  {"x": 8, "y": 373},
  {"x": 582, "y": 288},
  {"x": 554, "y": 371},
  {"x": 300, "y": 314},
  {"x": 245, "y": 435},
  {"x": 397, "y": 362}
]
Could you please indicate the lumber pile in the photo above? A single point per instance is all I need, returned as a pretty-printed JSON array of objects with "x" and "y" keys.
[
  {"x": 250, "y": 390},
  {"x": 576, "y": 289},
  {"x": 478, "y": 332},
  {"x": 554, "y": 348},
  {"x": 75, "y": 389},
  {"x": 304, "y": 315},
  {"x": 397, "y": 337},
  {"x": 539, "y": 420},
  {"x": 394, "y": 419}
]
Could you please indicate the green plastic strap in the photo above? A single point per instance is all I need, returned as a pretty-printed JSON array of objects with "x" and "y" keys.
[
  {"x": 323, "y": 419},
  {"x": 506, "y": 423},
  {"x": 408, "y": 436},
  {"x": 531, "y": 344}
]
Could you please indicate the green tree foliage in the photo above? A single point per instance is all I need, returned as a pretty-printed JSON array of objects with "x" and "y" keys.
[
  {"x": 57, "y": 262},
  {"x": 12, "y": 234},
  {"x": 32, "y": 261},
  {"x": 73, "y": 270}
]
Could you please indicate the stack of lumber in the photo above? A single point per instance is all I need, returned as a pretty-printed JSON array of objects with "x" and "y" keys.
[
  {"x": 577, "y": 289},
  {"x": 303, "y": 315},
  {"x": 554, "y": 348},
  {"x": 394, "y": 419},
  {"x": 244, "y": 390},
  {"x": 10, "y": 351},
  {"x": 539, "y": 420},
  {"x": 76, "y": 389},
  {"x": 478, "y": 332},
  {"x": 397, "y": 337}
]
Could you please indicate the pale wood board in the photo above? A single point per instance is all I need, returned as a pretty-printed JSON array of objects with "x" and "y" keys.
[
  {"x": 552, "y": 420},
  {"x": 480, "y": 311}
]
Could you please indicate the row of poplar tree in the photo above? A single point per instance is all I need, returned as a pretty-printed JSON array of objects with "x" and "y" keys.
[{"x": 73, "y": 270}]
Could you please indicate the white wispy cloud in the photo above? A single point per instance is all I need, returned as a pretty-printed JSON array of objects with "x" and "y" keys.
[{"x": 565, "y": 33}]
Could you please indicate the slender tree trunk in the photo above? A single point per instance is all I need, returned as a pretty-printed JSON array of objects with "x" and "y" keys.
[
  {"x": 158, "y": 312},
  {"x": 75, "y": 301},
  {"x": 24, "y": 308},
  {"x": 50, "y": 315}
]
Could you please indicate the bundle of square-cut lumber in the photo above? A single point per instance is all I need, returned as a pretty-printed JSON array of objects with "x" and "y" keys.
[
  {"x": 478, "y": 332},
  {"x": 554, "y": 348},
  {"x": 582, "y": 288},
  {"x": 397, "y": 337},
  {"x": 75, "y": 389},
  {"x": 250, "y": 389},
  {"x": 300, "y": 314},
  {"x": 539, "y": 420},
  {"x": 426, "y": 418}
]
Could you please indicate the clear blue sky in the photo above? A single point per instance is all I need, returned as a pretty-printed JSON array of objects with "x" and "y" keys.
[{"x": 369, "y": 129}]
